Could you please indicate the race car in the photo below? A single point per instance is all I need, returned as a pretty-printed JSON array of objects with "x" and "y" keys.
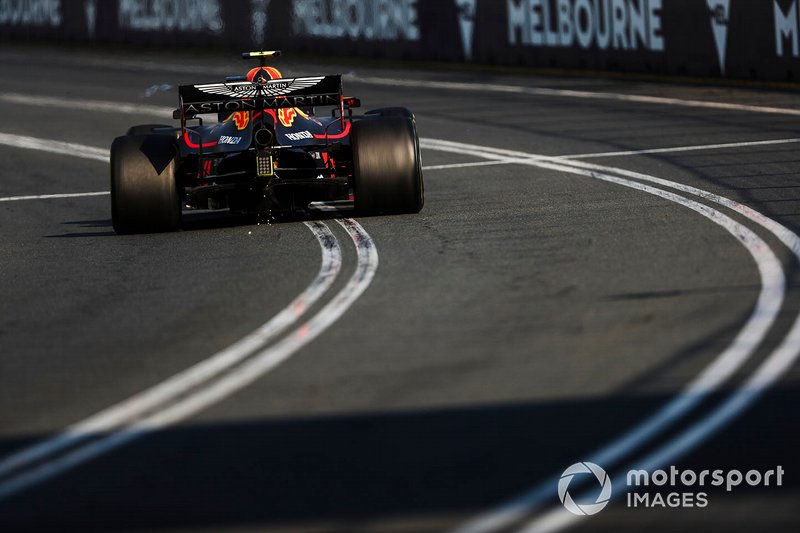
[{"x": 269, "y": 152}]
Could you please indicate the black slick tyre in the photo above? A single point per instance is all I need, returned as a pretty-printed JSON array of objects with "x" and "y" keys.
[
  {"x": 144, "y": 193},
  {"x": 387, "y": 169}
]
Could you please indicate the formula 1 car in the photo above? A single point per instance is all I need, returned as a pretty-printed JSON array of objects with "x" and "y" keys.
[{"x": 269, "y": 152}]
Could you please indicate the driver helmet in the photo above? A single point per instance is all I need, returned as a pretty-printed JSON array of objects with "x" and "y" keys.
[{"x": 263, "y": 74}]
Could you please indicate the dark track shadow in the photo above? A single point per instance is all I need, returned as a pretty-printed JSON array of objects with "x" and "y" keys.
[
  {"x": 201, "y": 221},
  {"x": 349, "y": 472},
  {"x": 99, "y": 223},
  {"x": 81, "y": 235}
]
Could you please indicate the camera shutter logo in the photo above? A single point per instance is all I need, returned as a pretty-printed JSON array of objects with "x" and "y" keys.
[{"x": 586, "y": 508}]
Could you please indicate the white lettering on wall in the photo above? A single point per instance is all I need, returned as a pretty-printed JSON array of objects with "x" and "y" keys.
[
  {"x": 258, "y": 21},
  {"x": 372, "y": 20},
  {"x": 605, "y": 24},
  {"x": 171, "y": 15},
  {"x": 466, "y": 23},
  {"x": 786, "y": 25},
  {"x": 719, "y": 10},
  {"x": 30, "y": 12}
]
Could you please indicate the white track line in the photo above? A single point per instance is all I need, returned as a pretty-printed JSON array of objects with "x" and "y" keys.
[
  {"x": 567, "y": 93},
  {"x": 505, "y": 156},
  {"x": 54, "y": 196},
  {"x": 711, "y": 377},
  {"x": 181, "y": 383},
  {"x": 468, "y": 165},
  {"x": 767, "y": 374},
  {"x": 82, "y": 104},
  {"x": 55, "y": 147},
  {"x": 205, "y": 383},
  {"x": 779, "y": 361},
  {"x": 501, "y": 156},
  {"x": 102, "y": 154},
  {"x": 721, "y": 146}
]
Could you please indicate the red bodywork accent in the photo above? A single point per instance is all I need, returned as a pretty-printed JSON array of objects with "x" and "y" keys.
[
  {"x": 269, "y": 112},
  {"x": 330, "y": 164},
  {"x": 195, "y": 145},
  {"x": 206, "y": 169},
  {"x": 345, "y": 133}
]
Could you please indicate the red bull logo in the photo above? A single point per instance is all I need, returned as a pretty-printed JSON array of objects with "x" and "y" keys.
[
  {"x": 241, "y": 119},
  {"x": 286, "y": 116}
]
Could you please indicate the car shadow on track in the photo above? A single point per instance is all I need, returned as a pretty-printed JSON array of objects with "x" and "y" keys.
[{"x": 198, "y": 221}]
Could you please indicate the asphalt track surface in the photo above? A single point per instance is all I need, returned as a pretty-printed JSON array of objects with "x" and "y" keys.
[{"x": 531, "y": 314}]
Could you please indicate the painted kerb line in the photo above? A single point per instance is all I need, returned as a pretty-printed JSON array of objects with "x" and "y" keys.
[{"x": 712, "y": 377}]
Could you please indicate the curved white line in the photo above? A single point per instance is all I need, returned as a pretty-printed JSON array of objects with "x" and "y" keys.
[
  {"x": 764, "y": 314},
  {"x": 767, "y": 374},
  {"x": 238, "y": 378},
  {"x": 269, "y": 358},
  {"x": 146, "y": 411}
]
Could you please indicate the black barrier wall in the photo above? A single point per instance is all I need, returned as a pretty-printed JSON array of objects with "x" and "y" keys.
[{"x": 754, "y": 39}]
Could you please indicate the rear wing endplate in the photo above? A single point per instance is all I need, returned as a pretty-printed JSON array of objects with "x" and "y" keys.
[{"x": 249, "y": 96}]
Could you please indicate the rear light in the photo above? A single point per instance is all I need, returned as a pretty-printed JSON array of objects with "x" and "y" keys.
[{"x": 264, "y": 167}]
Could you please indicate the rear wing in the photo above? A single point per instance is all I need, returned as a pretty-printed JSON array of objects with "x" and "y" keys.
[{"x": 249, "y": 96}]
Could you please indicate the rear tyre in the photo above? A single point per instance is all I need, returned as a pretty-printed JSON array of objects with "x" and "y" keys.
[
  {"x": 143, "y": 129},
  {"x": 144, "y": 193},
  {"x": 387, "y": 169}
]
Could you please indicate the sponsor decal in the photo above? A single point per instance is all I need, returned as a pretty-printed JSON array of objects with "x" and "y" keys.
[
  {"x": 241, "y": 119},
  {"x": 786, "y": 28},
  {"x": 258, "y": 21},
  {"x": 225, "y": 139},
  {"x": 719, "y": 25},
  {"x": 466, "y": 22},
  {"x": 604, "y": 24},
  {"x": 171, "y": 15},
  {"x": 299, "y": 136},
  {"x": 246, "y": 89},
  {"x": 286, "y": 116},
  {"x": 262, "y": 103},
  {"x": 31, "y": 13},
  {"x": 371, "y": 20}
]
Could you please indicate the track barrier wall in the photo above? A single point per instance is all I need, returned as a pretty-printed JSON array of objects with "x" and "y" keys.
[{"x": 749, "y": 39}]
